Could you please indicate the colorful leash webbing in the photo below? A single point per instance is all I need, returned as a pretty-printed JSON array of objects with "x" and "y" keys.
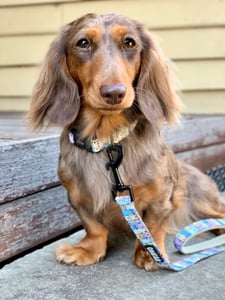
[
  {"x": 126, "y": 203},
  {"x": 206, "y": 249}
]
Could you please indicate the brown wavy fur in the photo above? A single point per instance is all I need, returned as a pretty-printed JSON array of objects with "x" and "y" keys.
[{"x": 68, "y": 94}]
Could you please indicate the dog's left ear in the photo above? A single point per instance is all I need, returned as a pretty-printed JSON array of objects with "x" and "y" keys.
[
  {"x": 55, "y": 98},
  {"x": 155, "y": 82}
]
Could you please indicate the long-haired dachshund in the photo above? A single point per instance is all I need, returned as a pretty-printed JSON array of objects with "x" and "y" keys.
[{"x": 105, "y": 80}]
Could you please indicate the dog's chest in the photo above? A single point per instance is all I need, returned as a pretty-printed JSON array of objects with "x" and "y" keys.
[{"x": 96, "y": 181}]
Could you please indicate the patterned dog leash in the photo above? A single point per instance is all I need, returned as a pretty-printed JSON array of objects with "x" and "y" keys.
[
  {"x": 206, "y": 249},
  {"x": 203, "y": 249}
]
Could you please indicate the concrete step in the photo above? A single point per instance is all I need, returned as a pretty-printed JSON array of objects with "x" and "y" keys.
[{"x": 38, "y": 276}]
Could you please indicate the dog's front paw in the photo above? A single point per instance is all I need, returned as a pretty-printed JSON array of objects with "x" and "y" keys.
[
  {"x": 142, "y": 259},
  {"x": 77, "y": 255}
]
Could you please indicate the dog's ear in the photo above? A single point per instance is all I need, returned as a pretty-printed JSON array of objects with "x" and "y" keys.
[
  {"x": 55, "y": 99},
  {"x": 155, "y": 83}
]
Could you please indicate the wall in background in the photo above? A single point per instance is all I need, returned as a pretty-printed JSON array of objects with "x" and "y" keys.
[{"x": 192, "y": 34}]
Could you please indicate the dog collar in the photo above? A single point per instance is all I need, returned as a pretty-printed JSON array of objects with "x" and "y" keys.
[{"x": 96, "y": 145}]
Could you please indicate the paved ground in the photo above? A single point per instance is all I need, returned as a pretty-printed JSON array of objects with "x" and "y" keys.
[{"x": 38, "y": 276}]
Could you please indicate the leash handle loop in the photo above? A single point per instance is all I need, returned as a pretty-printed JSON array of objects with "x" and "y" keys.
[{"x": 142, "y": 233}]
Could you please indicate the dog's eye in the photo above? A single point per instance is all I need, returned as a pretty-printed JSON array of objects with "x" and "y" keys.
[
  {"x": 129, "y": 43},
  {"x": 83, "y": 43}
]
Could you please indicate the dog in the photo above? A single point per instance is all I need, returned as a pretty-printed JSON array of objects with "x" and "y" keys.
[{"x": 103, "y": 75}]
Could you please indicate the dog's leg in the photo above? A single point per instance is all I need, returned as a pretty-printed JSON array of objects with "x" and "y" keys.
[
  {"x": 155, "y": 214},
  {"x": 92, "y": 248},
  {"x": 142, "y": 258}
]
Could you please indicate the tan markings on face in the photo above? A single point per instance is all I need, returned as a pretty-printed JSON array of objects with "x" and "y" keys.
[
  {"x": 118, "y": 32},
  {"x": 114, "y": 71},
  {"x": 82, "y": 70},
  {"x": 106, "y": 63},
  {"x": 89, "y": 80},
  {"x": 94, "y": 34}
]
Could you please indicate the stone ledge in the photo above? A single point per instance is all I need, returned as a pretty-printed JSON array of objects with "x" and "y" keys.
[{"x": 38, "y": 276}]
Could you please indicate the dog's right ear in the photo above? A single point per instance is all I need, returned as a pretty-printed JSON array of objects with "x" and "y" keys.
[
  {"x": 155, "y": 82},
  {"x": 55, "y": 99}
]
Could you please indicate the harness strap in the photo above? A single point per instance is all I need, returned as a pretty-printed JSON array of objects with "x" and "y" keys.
[{"x": 206, "y": 249}]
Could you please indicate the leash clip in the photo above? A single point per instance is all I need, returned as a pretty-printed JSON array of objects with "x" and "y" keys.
[{"x": 115, "y": 155}]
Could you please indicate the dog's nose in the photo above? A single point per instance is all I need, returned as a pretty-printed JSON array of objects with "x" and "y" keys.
[{"x": 113, "y": 93}]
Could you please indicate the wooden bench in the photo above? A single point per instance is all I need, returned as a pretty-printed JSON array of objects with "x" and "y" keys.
[{"x": 33, "y": 205}]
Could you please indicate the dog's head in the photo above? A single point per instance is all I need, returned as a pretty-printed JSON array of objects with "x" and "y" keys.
[{"x": 107, "y": 63}]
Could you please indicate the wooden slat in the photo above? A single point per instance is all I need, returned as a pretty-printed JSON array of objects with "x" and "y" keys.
[
  {"x": 30, "y": 221},
  {"x": 30, "y": 50},
  {"x": 17, "y": 81},
  {"x": 196, "y": 132},
  {"x": 204, "y": 158},
  {"x": 30, "y": 19},
  {"x": 30, "y": 2},
  {"x": 204, "y": 102},
  {"x": 201, "y": 75},
  {"x": 193, "y": 43},
  {"x": 35, "y": 170},
  {"x": 156, "y": 14},
  {"x": 7, "y": 118},
  {"x": 13, "y": 127},
  {"x": 15, "y": 104}
]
